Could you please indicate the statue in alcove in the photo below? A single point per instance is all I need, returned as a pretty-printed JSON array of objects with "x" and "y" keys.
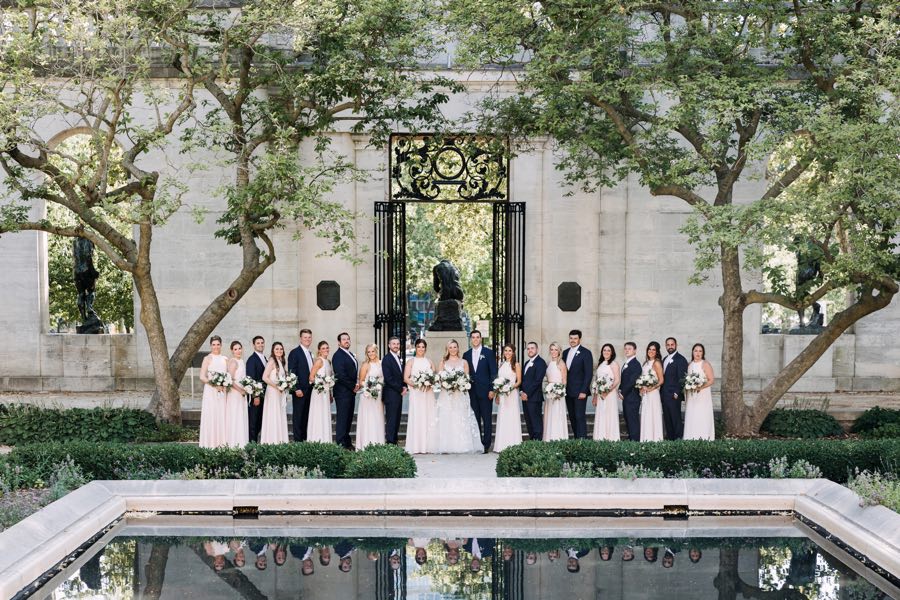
[
  {"x": 809, "y": 270},
  {"x": 85, "y": 279},
  {"x": 448, "y": 307}
]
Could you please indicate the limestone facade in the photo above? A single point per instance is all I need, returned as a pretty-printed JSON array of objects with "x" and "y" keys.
[{"x": 620, "y": 244}]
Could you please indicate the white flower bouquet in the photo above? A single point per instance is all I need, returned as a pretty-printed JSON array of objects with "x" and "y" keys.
[
  {"x": 602, "y": 385},
  {"x": 646, "y": 380},
  {"x": 373, "y": 386},
  {"x": 694, "y": 381},
  {"x": 324, "y": 383},
  {"x": 286, "y": 381},
  {"x": 253, "y": 387},
  {"x": 555, "y": 391},
  {"x": 218, "y": 379},
  {"x": 422, "y": 380},
  {"x": 453, "y": 380},
  {"x": 502, "y": 386}
]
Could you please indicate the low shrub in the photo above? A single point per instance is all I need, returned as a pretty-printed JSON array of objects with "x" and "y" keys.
[
  {"x": 380, "y": 462},
  {"x": 27, "y": 424},
  {"x": 30, "y": 465},
  {"x": 876, "y": 418},
  {"x": 876, "y": 488},
  {"x": 801, "y": 423},
  {"x": 836, "y": 459}
]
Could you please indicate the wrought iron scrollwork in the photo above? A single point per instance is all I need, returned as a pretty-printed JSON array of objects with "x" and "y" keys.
[{"x": 446, "y": 169}]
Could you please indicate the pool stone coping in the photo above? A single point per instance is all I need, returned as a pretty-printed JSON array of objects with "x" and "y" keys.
[{"x": 35, "y": 545}]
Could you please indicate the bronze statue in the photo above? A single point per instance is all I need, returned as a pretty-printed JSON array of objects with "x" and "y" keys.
[
  {"x": 448, "y": 307},
  {"x": 85, "y": 279},
  {"x": 809, "y": 270}
]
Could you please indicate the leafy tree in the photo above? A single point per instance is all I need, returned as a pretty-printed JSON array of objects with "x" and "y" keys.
[
  {"x": 691, "y": 96},
  {"x": 275, "y": 77}
]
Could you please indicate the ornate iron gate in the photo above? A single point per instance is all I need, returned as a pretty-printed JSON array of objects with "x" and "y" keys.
[
  {"x": 390, "y": 272},
  {"x": 508, "y": 321}
]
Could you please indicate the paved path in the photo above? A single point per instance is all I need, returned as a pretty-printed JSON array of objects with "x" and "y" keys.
[{"x": 456, "y": 466}]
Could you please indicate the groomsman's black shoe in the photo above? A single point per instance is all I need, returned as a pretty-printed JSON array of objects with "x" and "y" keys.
[{"x": 486, "y": 450}]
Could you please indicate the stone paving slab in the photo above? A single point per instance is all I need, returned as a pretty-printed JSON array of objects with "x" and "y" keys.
[{"x": 456, "y": 466}]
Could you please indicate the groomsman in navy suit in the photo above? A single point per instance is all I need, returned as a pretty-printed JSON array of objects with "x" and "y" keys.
[
  {"x": 346, "y": 370},
  {"x": 532, "y": 393},
  {"x": 300, "y": 362},
  {"x": 394, "y": 388},
  {"x": 256, "y": 366},
  {"x": 675, "y": 368},
  {"x": 630, "y": 395},
  {"x": 482, "y": 371},
  {"x": 580, "y": 365}
]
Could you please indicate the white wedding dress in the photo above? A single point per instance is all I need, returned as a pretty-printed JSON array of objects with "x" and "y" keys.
[{"x": 456, "y": 429}]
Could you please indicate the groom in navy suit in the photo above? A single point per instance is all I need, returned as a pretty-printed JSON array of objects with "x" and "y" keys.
[
  {"x": 300, "y": 362},
  {"x": 580, "y": 365},
  {"x": 630, "y": 395},
  {"x": 256, "y": 366},
  {"x": 675, "y": 368},
  {"x": 392, "y": 369},
  {"x": 482, "y": 371},
  {"x": 346, "y": 369},
  {"x": 532, "y": 393}
]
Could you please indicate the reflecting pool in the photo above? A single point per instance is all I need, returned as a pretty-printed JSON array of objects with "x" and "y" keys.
[{"x": 428, "y": 558}]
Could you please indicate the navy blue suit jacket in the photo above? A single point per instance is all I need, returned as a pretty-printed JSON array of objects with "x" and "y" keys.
[
  {"x": 483, "y": 379},
  {"x": 673, "y": 377},
  {"x": 630, "y": 375},
  {"x": 298, "y": 366},
  {"x": 580, "y": 373},
  {"x": 486, "y": 545},
  {"x": 393, "y": 376},
  {"x": 256, "y": 368},
  {"x": 345, "y": 371},
  {"x": 533, "y": 379}
]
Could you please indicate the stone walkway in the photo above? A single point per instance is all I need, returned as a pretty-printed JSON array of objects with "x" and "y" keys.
[{"x": 456, "y": 466}]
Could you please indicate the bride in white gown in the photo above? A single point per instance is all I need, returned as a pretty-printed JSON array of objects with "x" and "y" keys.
[{"x": 455, "y": 429}]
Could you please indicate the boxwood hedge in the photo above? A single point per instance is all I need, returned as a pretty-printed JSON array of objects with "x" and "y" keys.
[{"x": 720, "y": 458}]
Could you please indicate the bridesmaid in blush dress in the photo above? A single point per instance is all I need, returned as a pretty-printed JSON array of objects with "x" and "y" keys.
[
  {"x": 651, "y": 404},
  {"x": 556, "y": 421},
  {"x": 319, "y": 425},
  {"x": 509, "y": 415},
  {"x": 420, "y": 434},
  {"x": 698, "y": 414},
  {"x": 212, "y": 408},
  {"x": 236, "y": 416},
  {"x": 274, "y": 419},
  {"x": 606, "y": 417},
  {"x": 370, "y": 419}
]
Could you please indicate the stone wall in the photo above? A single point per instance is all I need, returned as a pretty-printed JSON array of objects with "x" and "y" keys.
[{"x": 621, "y": 245}]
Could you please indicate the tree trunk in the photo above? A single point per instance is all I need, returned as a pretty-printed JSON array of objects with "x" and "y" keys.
[
  {"x": 166, "y": 401},
  {"x": 734, "y": 411},
  {"x": 788, "y": 376},
  {"x": 155, "y": 571}
]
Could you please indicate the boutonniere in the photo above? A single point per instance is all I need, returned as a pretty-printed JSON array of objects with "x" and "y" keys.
[{"x": 577, "y": 352}]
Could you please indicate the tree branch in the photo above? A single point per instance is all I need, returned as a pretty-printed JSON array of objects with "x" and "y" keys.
[{"x": 75, "y": 232}]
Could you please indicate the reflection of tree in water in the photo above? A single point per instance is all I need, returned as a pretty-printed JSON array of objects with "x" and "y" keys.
[
  {"x": 455, "y": 581},
  {"x": 231, "y": 575},
  {"x": 110, "y": 571}
]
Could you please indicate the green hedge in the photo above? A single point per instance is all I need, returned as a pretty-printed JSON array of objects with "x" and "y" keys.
[
  {"x": 26, "y": 424},
  {"x": 876, "y": 418},
  {"x": 36, "y": 462},
  {"x": 720, "y": 458},
  {"x": 801, "y": 423},
  {"x": 888, "y": 430}
]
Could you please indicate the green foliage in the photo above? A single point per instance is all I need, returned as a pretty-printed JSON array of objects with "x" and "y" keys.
[
  {"x": 26, "y": 424},
  {"x": 798, "y": 423},
  {"x": 888, "y": 430},
  {"x": 874, "y": 418},
  {"x": 836, "y": 459},
  {"x": 876, "y": 488},
  {"x": 379, "y": 462},
  {"x": 28, "y": 465}
]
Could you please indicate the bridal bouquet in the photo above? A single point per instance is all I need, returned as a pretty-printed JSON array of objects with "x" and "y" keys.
[
  {"x": 217, "y": 379},
  {"x": 286, "y": 381},
  {"x": 422, "y": 380},
  {"x": 646, "y": 380},
  {"x": 503, "y": 386},
  {"x": 694, "y": 381},
  {"x": 323, "y": 383},
  {"x": 251, "y": 386},
  {"x": 453, "y": 380},
  {"x": 373, "y": 386},
  {"x": 555, "y": 391},
  {"x": 602, "y": 385}
]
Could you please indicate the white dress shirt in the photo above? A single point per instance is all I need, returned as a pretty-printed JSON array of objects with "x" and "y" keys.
[
  {"x": 571, "y": 356},
  {"x": 308, "y": 354},
  {"x": 476, "y": 356}
]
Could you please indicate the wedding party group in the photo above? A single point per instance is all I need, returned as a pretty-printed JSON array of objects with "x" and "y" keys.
[{"x": 451, "y": 404}]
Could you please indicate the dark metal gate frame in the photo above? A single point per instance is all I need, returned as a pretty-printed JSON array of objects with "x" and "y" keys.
[{"x": 508, "y": 239}]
